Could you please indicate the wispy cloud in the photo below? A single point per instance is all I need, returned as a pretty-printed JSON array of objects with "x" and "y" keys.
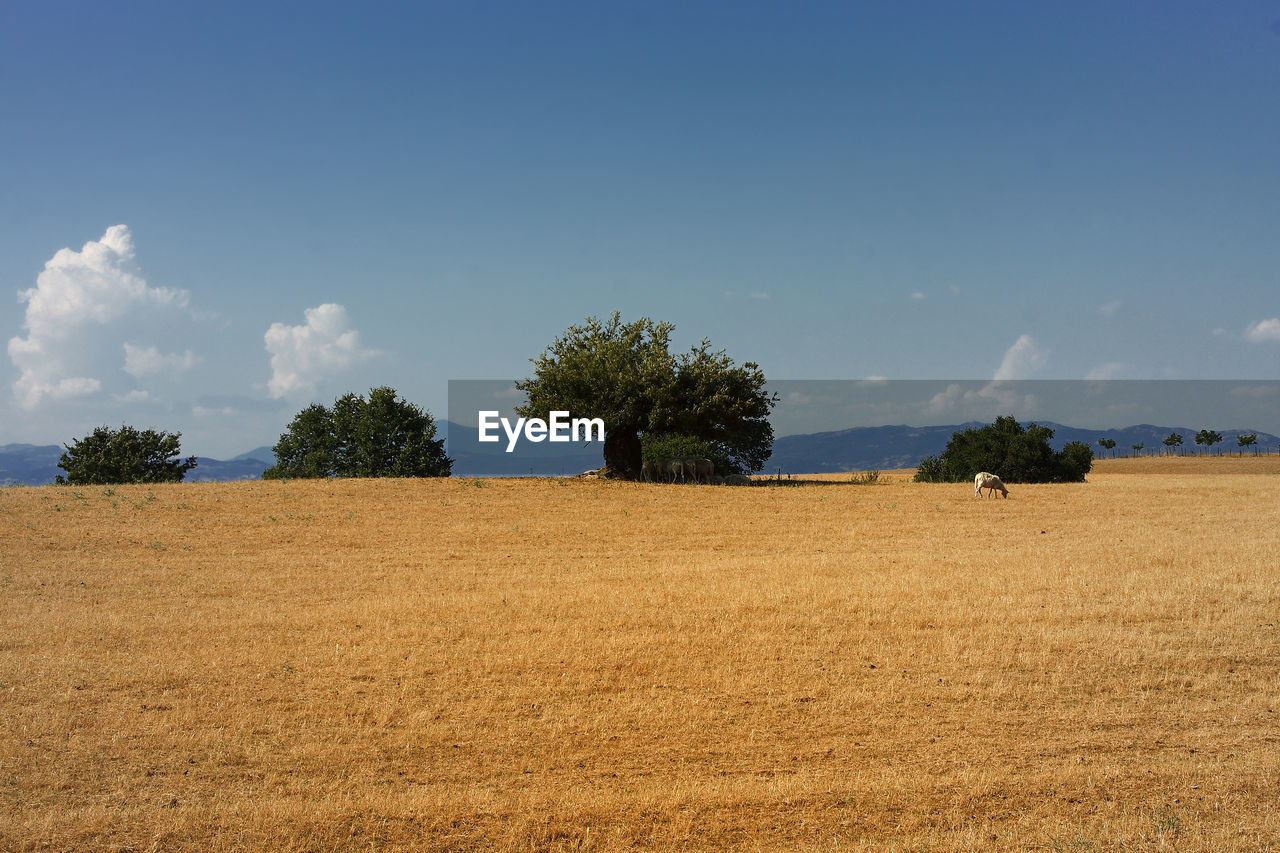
[
  {"x": 946, "y": 400},
  {"x": 999, "y": 396},
  {"x": 214, "y": 412},
  {"x": 1263, "y": 331},
  {"x": 918, "y": 296},
  {"x": 301, "y": 356},
  {"x": 76, "y": 293},
  {"x": 1021, "y": 360},
  {"x": 1109, "y": 309},
  {"x": 149, "y": 361}
]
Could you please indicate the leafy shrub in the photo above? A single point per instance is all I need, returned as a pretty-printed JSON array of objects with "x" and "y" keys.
[
  {"x": 675, "y": 446},
  {"x": 126, "y": 455},
  {"x": 933, "y": 469},
  {"x": 1018, "y": 454},
  {"x": 382, "y": 436},
  {"x": 1077, "y": 460}
]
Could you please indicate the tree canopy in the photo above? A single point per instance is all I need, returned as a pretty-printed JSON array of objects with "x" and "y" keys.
[
  {"x": 126, "y": 455},
  {"x": 1208, "y": 437},
  {"x": 625, "y": 374},
  {"x": 381, "y": 436},
  {"x": 1016, "y": 453}
]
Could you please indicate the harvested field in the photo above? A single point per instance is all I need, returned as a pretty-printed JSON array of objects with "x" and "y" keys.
[{"x": 565, "y": 664}]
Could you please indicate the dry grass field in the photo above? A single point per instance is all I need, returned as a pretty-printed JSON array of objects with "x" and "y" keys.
[{"x": 578, "y": 665}]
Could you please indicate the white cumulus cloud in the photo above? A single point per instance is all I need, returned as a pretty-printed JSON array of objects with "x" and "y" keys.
[
  {"x": 1021, "y": 360},
  {"x": 64, "y": 389},
  {"x": 1263, "y": 331},
  {"x": 301, "y": 356},
  {"x": 77, "y": 292}
]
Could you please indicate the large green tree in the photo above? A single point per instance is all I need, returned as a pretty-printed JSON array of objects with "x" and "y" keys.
[
  {"x": 126, "y": 455},
  {"x": 381, "y": 436},
  {"x": 626, "y": 375},
  {"x": 1017, "y": 453}
]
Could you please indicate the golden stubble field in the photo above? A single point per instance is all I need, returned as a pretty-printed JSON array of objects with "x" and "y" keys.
[{"x": 569, "y": 664}]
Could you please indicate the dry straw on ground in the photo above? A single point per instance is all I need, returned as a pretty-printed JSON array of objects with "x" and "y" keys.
[{"x": 547, "y": 665}]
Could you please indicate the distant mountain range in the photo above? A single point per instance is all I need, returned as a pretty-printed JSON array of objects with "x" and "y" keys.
[{"x": 856, "y": 449}]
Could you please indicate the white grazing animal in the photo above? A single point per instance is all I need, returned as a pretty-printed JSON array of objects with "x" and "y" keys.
[{"x": 988, "y": 481}]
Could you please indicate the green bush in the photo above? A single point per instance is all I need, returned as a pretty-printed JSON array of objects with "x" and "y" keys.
[
  {"x": 674, "y": 446},
  {"x": 382, "y": 436},
  {"x": 126, "y": 455},
  {"x": 933, "y": 469},
  {"x": 1077, "y": 459},
  {"x": 1016, "y": 453}
]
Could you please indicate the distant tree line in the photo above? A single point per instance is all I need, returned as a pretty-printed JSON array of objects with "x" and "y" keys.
[
  {"x": 655, "y": 404},
  {"x": 1206, "y": 438}
]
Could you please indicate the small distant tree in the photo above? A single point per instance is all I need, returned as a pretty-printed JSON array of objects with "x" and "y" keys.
[
  {"x": 1108, "y": 444},
  {"x": 381, "y": 436},
  {"x": 1137, "y": 448},
  {"x": 1250, "y": 440},
  {"x": 126, "y": 455},
  {"x": 1208, "y": 438},
  {"x": 1172, "y": 442},
  {"x": 1019, "y": 454}
]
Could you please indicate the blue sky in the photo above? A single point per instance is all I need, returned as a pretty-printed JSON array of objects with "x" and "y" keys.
[{"x": 212, "y": 215}]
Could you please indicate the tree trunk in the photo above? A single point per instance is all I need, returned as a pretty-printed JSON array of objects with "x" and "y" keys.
[{"x": 622, "y": 453}]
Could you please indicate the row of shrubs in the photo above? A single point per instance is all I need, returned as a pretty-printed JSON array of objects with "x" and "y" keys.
[{"x": 357, "y": 428}]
